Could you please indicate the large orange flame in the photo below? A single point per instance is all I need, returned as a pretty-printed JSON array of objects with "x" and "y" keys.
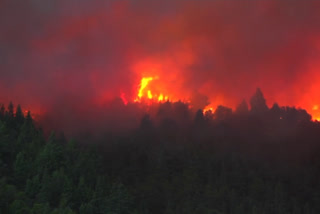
[
  {"x": 144, "y": 83},
  {"x": 145, "y": 92}
]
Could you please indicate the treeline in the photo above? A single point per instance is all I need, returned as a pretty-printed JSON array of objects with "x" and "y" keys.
[{"x": 256, "y": 160}]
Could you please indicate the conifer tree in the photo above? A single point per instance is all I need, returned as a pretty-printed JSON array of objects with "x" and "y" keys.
[
  {"x": 11, "y": 110},
  {"x": 19, "y": 116},
  {"x": 2, "y": 112},
  {"x": 258, "y": 102}
]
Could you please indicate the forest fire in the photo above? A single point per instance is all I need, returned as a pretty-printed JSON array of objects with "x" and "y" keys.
[
  {"x": 169, "y": 51},
  {"x": 158, "y": 107},
  {"x": 148, "y": 93}
]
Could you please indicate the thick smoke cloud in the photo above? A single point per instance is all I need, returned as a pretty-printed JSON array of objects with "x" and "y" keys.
[{"x": 81, "y": 54}]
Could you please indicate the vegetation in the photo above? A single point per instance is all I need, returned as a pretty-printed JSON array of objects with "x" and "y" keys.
[{"x": 248, "y": 161}]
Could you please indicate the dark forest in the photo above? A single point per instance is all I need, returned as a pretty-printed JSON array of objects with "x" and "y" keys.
[{"x": 254, "y": 159}]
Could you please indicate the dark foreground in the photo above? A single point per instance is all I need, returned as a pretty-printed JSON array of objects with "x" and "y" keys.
[{"x": 249, "y": 162}]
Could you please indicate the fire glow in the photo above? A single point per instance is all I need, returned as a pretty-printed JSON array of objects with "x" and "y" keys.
[
  {"x": 147, "y": 95},
  {"x": 315, "y": 113},
  {"x": 222, "y": 50}
]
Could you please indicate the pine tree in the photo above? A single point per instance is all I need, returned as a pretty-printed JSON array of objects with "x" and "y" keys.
[
  {"x": 199, "y": 118},
  {"x": 242, "y": 108},
  {"x": 21, "y": 169},
  {"x": 19, "y": 116},
  {"x": 11, "y": 110},
  {"x": 2, "y": 112},
  {"x": 33, "y": 186},
  {"x": 258, "y": 102}
]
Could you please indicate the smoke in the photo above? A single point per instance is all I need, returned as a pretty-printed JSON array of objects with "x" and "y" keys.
[{"x": 78, "y": 55}]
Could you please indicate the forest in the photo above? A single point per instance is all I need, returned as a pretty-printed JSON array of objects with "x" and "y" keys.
[{"x": 253, "y": 160}]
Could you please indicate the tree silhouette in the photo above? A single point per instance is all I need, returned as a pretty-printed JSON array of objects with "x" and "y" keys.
[
  {"x": 276, "y": 112},
  {"x": 258, "y": 103},
  {"x": 199, "y": 119},
  {"x": 29, "y": 120},
  {"x": 222, "y": 113},
  {"x": 242, "y": 108},
  {"x": 146, "y": 123},
  {"x": 2, "y": 112},
  {"x": 19, "y": 115},
  {"x": 11, "y": 110}
]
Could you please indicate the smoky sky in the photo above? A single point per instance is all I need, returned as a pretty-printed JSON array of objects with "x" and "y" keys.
[{"x": 85, "y": 51}]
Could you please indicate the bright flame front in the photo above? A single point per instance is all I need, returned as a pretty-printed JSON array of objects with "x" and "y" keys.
[{"x": 146, "y": 92}]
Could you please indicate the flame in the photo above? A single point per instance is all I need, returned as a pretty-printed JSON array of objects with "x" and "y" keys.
[
  {"x": 149, "y": 94},
  {"x": 36, "y": 113},
  {"x": 160, "y": 98},
  {"x": 144, "y": 82},
  {"x": 145, "y": 91},
  {"x": 207, "y": 109}
]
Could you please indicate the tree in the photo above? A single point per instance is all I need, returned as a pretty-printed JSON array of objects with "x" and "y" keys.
[
  {"x": 42, "y": 208},
  {"x": 87, "y": 208},
  {"x": 199, "y": 118},
  {"x": 19, "y": 207},
  {"x": 276, "y": 111},
  {"x": 222, "y": 113},
  {"x": 242, "y": 108},
  {"x": 33, "y": 186},
  {"x": 82, "y": 194},
  {"x": 146, "y": 123},
  {"x": 181, "y": 112},
  {"x": 119, "y": 201},
  {"x": 19, "y": 116},
  {"x": 55, "y": 187},
  {"x": 11, "y": 110},
  {"x": 21, "y": 169},
  {"x": 7, "y": 145},
  {"x": 29, "y": 118},
  {"x": 258, "y": 103},
  {"x": 50, "y": 157},
  {"x": 2, "y": 112},
  {"x": 7, "y": 195}
]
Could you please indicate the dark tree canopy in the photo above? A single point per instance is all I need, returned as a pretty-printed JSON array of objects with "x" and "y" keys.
[
  {"x": 242, "y": 108},
  {"x": 222, "y": 113},
  {"x": 10, "y": 110},
  {"x": 19, "y": 115},
  {"x": 258, "y": 102},
  {"x": 199, "y": 118},
  {"x": 222, "y": 163},
  {"x": 2, "y": 111}
]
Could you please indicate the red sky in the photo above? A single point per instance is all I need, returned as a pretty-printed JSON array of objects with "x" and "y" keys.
[{"x": 83, "y": 53}]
